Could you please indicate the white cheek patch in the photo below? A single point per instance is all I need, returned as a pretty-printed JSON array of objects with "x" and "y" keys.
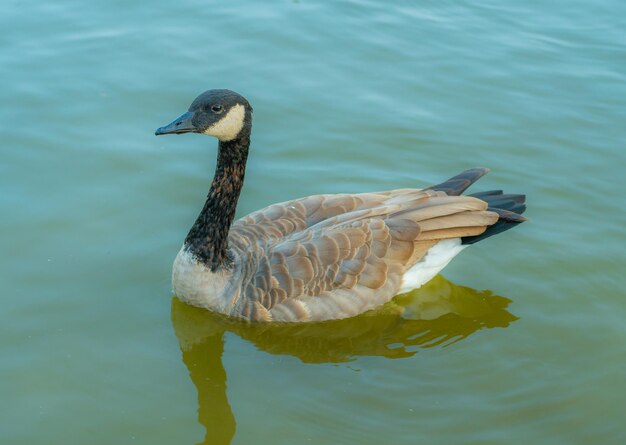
[{"x": 228, "y": 127}]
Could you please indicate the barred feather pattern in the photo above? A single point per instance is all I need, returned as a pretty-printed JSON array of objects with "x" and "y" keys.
[{"x": 334, "y": 256}]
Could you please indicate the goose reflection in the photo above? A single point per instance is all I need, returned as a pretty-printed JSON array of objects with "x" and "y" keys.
[{"x": 438, "y": 314}]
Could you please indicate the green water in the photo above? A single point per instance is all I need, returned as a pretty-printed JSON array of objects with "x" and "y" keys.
[{"x": 348, "y": 97}]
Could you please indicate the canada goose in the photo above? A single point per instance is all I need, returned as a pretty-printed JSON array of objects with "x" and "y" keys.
[{"x": 322, "y": 257}]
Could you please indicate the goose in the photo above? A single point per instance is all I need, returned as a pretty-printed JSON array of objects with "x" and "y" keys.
[{"x": 322, "y": 257}]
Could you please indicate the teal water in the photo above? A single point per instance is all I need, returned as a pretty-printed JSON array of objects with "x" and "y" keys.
[{"x": 348, "y": 97}]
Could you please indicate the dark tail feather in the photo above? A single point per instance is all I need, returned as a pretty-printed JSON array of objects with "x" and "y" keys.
[
  {"x": 498, "y": 200},
  {"x": 509, "y": 207},
  {"x": 458, "y": 184},
  {"x": 507, "y": 221}
]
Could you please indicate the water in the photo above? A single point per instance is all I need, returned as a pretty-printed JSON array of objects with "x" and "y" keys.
[{"x": 348, "y": 96}]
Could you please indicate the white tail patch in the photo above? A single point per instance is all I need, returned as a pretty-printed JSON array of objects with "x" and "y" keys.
[
  {"x": 228, "y": 127},
  {"x": 433, "y": 262}
]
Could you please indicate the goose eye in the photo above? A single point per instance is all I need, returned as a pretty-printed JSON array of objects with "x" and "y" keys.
[{"x": 217, "y": 108}]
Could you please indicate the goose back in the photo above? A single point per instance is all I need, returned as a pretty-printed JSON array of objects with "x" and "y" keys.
[{"x": 334, "y": 256}]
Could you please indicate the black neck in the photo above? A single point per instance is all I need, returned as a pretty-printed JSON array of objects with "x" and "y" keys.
[{"x": 208, "y": 238}]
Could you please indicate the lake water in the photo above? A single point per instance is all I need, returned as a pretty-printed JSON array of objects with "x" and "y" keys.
[{"x": 523, "y": 341}]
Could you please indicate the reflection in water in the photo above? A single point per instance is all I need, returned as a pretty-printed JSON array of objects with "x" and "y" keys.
[{"x": 438, "y": 314}]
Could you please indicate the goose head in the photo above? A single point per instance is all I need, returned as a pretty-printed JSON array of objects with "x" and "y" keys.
[{"x": 223, "y": 114}]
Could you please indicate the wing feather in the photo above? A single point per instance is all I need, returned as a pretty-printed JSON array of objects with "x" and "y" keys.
[{"x": 334, "y": 256}]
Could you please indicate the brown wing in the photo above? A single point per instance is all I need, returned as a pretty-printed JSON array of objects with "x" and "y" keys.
[
  {"x": 335, "y": 256},
  {"x": 278, "y": 221}
]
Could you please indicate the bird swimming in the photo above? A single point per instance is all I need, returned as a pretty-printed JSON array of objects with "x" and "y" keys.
[{"x": 321, "y": 257}]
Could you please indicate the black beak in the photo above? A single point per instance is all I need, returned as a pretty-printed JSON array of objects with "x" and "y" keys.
[{"x": 180, "y": 125}]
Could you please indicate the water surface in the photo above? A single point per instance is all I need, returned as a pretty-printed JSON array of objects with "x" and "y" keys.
[{"x": 524, "y": 339}]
